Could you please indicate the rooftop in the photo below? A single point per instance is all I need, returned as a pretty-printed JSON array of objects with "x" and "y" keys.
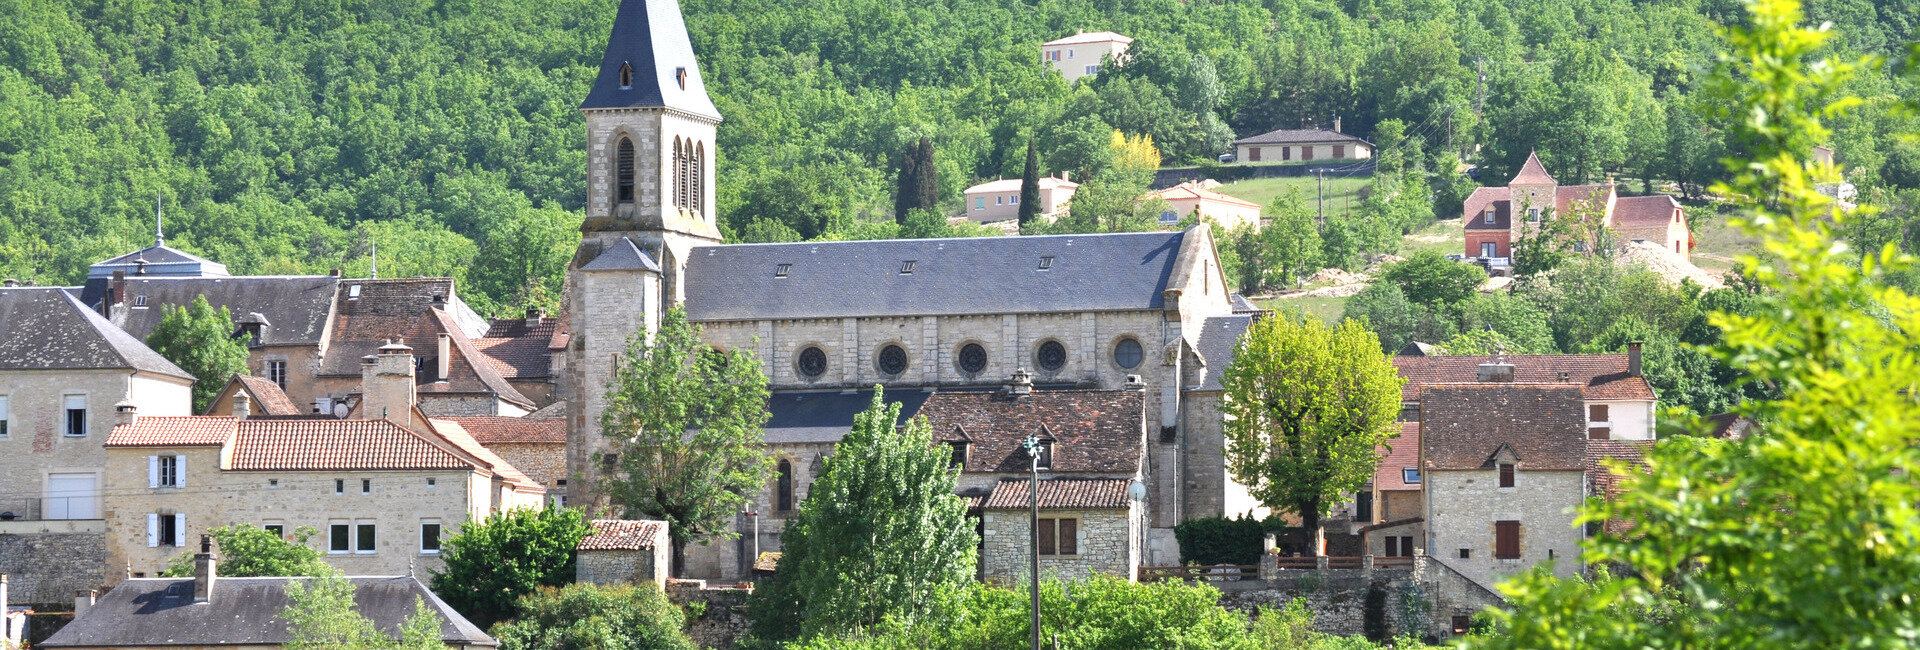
[
  {"x": 624, "y": 535},
  {"x": 48, "y": 329},
  {"x": 1082, "y": 38},
  {"x": 1191, "y": 190},
  {"x": 1094, "y": 431},
  {"x": 1060, "y": 494},
  {"x": 295, "y": 307},
  {"x": 1603, "y": 376},
  {"x": 1532, "y": 172},
  {"x": 1299, "y": 136},
  {"x": 144, "y": 612},
  {"x": 1014, "y": 184},
  {"x": 497, "y": 430},
  {"x": 1466, "y": 426},
  {"x": 649, "y": 62}
]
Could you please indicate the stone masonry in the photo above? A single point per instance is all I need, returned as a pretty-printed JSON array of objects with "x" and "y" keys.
[{"x": 1106, "y": 544}]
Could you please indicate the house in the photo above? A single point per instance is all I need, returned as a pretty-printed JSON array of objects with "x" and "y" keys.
[
  {"x": 624, "y": 551},
  {"x": 262, "y": 395},
  {"x": 456, "y": 378},
  {"x": 527, "y": 352},
  {"x": 1082, "y": 54},
  {"x": 999, "y": 200},
  {"x": 1618, "y": 400},
  {"x": 209, "y": 610},
  {"x": 534, "y": 444},
  {"x": 1392, "y": 521},
  {"x": 1494, "y": 217},
  {"x": 1294, "y": 145},
  {"x": 381, "y": 492},
  {"x": 64, "y": 370},
  {"x": 1196, "y": 199}
]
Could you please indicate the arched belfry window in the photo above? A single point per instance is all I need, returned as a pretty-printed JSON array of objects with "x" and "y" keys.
[
  {"x": 699, "y": 176},
  {"x": 679, "y": 174},
  {"x": 623, "y": 169},
  {"x": 626, "y": 75},
  {"x": 686, "y": 173},
  {"x": 783, "y": 491}
]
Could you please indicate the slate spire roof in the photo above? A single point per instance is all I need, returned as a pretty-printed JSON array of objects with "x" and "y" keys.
[
  {"x": 46, "y": 328},
  {"x": 159, "y": 260},
  {"x": 649, "y": 50}
]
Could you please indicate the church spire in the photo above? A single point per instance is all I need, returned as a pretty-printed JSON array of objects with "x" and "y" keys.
[{"x": 650, "y": 63}]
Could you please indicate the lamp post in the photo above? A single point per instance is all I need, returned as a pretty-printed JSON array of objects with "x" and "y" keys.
[{"x": 1032, "y": 445}]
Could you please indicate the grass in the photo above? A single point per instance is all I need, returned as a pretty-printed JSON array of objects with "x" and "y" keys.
[
  {"x": 1445, "y": 236},
  {"x": 1341, "y": 192},
  {"x": 1718, "y": 242},
  {"x": 1326, "y": 308}
]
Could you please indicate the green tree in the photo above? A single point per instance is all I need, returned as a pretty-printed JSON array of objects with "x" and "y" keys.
[
  {"x": 1030, "y": 186},
  {"x": 916, "y": 183},
  {"x": 1385, "y": 310},
  {"x": 492, "y": 563},
  {"x": 684, "y": 423},
  {"x": 320, "y": 615},
  {"x": 1308, "y": 404},
  {"x": 200, "y": 340},
  {"x": 247, "y": 551},
  {"x": 590, "y": 617},
  {"x": 1429, "y": 278},
  {"x": 881, "y": 535},
  {"x": 1292, "y": 239}
]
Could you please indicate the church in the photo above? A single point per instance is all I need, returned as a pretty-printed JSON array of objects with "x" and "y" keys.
[{"x": 1109, "y": 347}]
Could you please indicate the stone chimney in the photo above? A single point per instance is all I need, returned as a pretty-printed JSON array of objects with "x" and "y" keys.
[
  {"x": 10, "y": 282},
  {"x": 242, "y": 404},
  {"x": 387, "y": 384},
  {"x": 536, "y": 316},
  {"x": 82, "y": 601},
  {"x": 1633, "y": 358},
  {"x": 205, "y": 569},
  {"x": 1497, "y": 371},
  {"x": 126, "y": 412},
  {"x": 443, "y": 364},
  {"x": 1336, "y": 124},
  {"x": 1022, "y": 383}
]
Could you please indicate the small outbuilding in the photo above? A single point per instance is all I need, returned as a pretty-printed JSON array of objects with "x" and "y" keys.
[{"x": 624, "y": 551}]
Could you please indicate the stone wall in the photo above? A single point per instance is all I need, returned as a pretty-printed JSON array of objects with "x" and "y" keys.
[
  {"x": 36, "y": 445},
  {"x": 1465, "y": 505},
  {"x": 45, "y": 569},
  {"x": 610, "y": 567},
  {"x": 1108, "y": 542},
  {"x": 724, "y": 619},
  {"x": 542, "y": 462},
  {"x": 1339, "y": 598}
]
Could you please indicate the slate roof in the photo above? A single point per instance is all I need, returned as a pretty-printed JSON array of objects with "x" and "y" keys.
[
  {"x": 624, "y": 535},
  {"x": 497, "y": 430},
  {"x": 160, "y": 259},
  {"x": 241, "y": 611},
  {"x": 623, "y": 255},
  {"x": 266, "y": 396},
  {"x": 386, "y": 310},
  {"x": 1603, "y": 375},
  {"x": 46, "y": 328},
  {"x": 518, "y": 351},
  {"x": 962, "y": 276},
  {"x": 799, "y": 417},
  {"x": 1463, "y": 426},
  {"x": 1060, "y": 494},
  {"x": 1532, "y": 172},
  {"x": 1218, "y": 337},
  {"x": 1089, "y": 37},
  {"x": 1299, "y": 136},
  {"x": 1644, "y": 211},
  {"x": 1094, "y": 431},
  {"x": 296, "y": 307},
  {"x": 1396, "y": 455},
  {"x": 651, "y": 37}
]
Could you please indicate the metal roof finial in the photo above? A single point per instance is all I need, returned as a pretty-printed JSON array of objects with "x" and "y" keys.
[{"x": 159, "y": 234}]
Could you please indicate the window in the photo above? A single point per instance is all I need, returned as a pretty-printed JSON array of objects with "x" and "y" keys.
[
  {"x": 783, "y": 487},
  {"x": 1093, "y": 69},
  {"x": 906, "y": 267},
  {"x": 1533, "y": 214},
  {"x": 1489, "y": 216},
  {"x": 1069, "y": 54},
  {"x": 273, "y": 482},
  {"x": 4, "y": 416},
  {"x": 1487, "y": 249},
  {"x": 973, "y": 358},
  {"x": 165, "y": 471},
  {"x": 1046, "y": 262},
  {"x": 1410, "y": 475},
  {"x": 1127, "y": 353},
  {"x": 277, "y": 373},
  {"x": 76, "y": 415},
  {"x": 1339, "y": 151},
  {"x": 1046, "y": 454},
  {"x": 1059, "y": 537},
  {"x": 780, "y": 270},
  {"x": 1253, "y": 154},
  {"x": 1506, "y": 475},
  {"x": 979, "y": 203},
  {"x": 430, "y": 482},
  {"x": 812, "y": 362},
  {"x": 1286, "y": 153},
  {"x": 959, "y": 460},
  {"x": 1306, "y": 153},
  {"x": 999, "y": 200},
  {"x": 1406, "y": 546},
  {"x": 1363, "y": 506},
  {"x": 139, "y": 302},
  {"x": 339, "y": 486},
  {"x": 339, "y": 537},
  {"x": 1013, "y": 200},
  {"x": 1466, "y": 554},
  {"x": 1579, "y": 247},
  {"x": 1506, "y": 540},
  {"x": 366, "y": 486},
  {"x": 1599, "y": 433},
  {"x": 430, "y": 537},
  {"x": 626, "y": 75},
  {"x": 1393, "y": 546},
  {"x": 680, "y": 75},
  {"x": 623, "y": 170},
  {"x": 892, "y": 360},
  {"x": 275, "y": 526},
  {"x": 1597, "y": 413},
  {"x": 364, "y": 538},
  {"x": 1462, "y": 624},
  {"x": 353, "y": 292},
  {"x": 166, "y": 529},
  {"x": 1169, "y": 216},
  {"x": 1051, "y": 356},
  {"x": 699, "y": 189}
]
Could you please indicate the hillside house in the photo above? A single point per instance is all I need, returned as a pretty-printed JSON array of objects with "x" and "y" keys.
[
  {"x": 1195, "y": 199},
  {"x": 1494, "y": 217},
  {"x": 1082, "y": 54},
  {"x": 1000, "y": 200},
  {"x": 1297, "y": 145}
]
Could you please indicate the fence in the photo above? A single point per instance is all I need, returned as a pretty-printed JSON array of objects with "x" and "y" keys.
[
  {"x": 1214, "y": 573},
  {"x": 80, "y": 507}
]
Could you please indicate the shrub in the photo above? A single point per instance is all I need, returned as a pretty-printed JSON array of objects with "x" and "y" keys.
[
  {"x": 588, "y": 616},
  {"x": 492, "y": 563},
  {"x": 1218, "y": 540}
]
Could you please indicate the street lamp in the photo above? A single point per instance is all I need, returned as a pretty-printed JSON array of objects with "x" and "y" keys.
[{"x": 1034, "y": 449}]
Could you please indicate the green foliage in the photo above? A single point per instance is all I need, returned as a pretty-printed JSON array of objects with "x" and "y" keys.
[
  {"x": 1219, "y": 540},
  {"x": 1385, "y": 310},
  {"x": 880, "y": 537},
  {"x": 916, "y": 185},
  {"x": 1307, "y": 405},
  {"x": 1429, "y": 278},
  {"x": 200, "y": 340},
  {"x": 591, "y": 617},
  {"x": 247, "y": 551},
  {"x": 1030, "y": 186},
  {"x": 684, "y": 424},
  {"x": 320, "y": 615},
  {"x": 492, "y": 563},
  {"x": 1110, "y": 200}
]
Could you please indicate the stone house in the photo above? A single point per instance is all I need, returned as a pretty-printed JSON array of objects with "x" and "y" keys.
[
  {"x": 1392, "y": 521},
  {"x": 1194, "y": 199},
  {"x": 64, "y": 370},
  {"x": 263, "y": 396},
  {"x": 1494, "y": 217},
  {"x": 537, "y": 446},
  {"x": 1291, "y": 145},
  {"x": 1619, "y": 403},
  {"x": 624, "y": 551},
  {"x": 528, "y": 352},
  {"x": 1082, "y": 54},
  {"x": 999, "y": 200},
  {"x": 380, "y": 492},
  {"x": 1087, "y": 526},
  {"x": 456, "y": 378}
]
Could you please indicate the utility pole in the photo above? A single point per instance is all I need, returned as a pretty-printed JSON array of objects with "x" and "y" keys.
[
  {"x": 1032, "y": 444},
  {"x": 1320, "y": 194},
  {"x": 1480, "y": 87}
]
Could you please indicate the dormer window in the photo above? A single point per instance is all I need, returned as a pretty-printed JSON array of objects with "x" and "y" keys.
[
  {"x": 139, "y": 301},
  {"x": 1046, "y": 454},
  {"x": 959, "y": 460},
  {"x": 680, "y": 75},
  {"x": 626, "y": 75},
  {"x": 1506, "y": 475},
  {"x": 1046, "y": 262},
  {"x": 780, "y": 270},
  {"x": 353, "y": 292},
  {"x": 906, "y": 267},
  {"x": 1489, "y": 215}
]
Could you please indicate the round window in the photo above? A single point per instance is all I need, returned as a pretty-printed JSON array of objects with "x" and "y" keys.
[
  {"x": 892, "y": 360},
  {"x": 973, "y": 358},
  {"x": 1052, "y": 356},
  {"x": 1127, "y": 353},
  {"x": 812, "y": 363}
]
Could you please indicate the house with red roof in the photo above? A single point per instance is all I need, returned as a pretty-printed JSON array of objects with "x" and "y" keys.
[
  {"x": 1494, "y": 217},
  {"x": 1197, "y": 199}
]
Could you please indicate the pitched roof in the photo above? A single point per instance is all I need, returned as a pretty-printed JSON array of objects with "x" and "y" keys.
[
  {"x": 1094, "y": 431},
  {"x": 649, "y": 37},
  {"x": 48, "y": 329},
  {"x": 1060, "y": 494},
  {"x": 1474, "y": 210},
  {"x": 1190, "y": 191},
  {"x": 1299, "y": 136},
  {"x": 378, "y": 312},
  {"x": 162, "y": 431},
  {"x": 518, "y": 350},
  {"x": 242, "y": 611},
  {"x": 1396, "y": 455},
  {"x": 1462, "y": 426},
  {"x": 497, "y": 430},
  {"x": 799, "y": 417},
  {"x": 1089, "y": 37},
  {"x": 158, "y": 259},
  {"x": 624, "y": 535},
  {"x": 329, "y": 444},
  {"x": 1593, "y": 196},
  {"x": 1604, "y": 375},
  {"x": 469, "y": 370},
  {"x": 296, "y": 308},
  {"x": 1532, "y": 172},
  {"x": 623, "y": 255},
  {"x": 1219, "y": 335},
  {"x": 1731, "y": 426},
  {"x": 1013, "y": 185},
  {"x": 1644, "y": 211},
  {"x": 970, "y": 276},
  {"x": 267, "y": 397},
  {"x": 453, "y": 433}
]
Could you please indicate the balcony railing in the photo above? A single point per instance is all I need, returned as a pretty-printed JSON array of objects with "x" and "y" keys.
[{"x": 50, "y": 508}]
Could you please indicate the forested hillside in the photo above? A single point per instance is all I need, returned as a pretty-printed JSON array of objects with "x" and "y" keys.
[{"x": 286, "y": 137}]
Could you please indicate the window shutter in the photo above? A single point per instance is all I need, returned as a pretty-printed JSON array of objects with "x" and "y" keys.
[
  {"x": 180, "y": 471},
  {"x": 153, "y": 473},
  {"x": 1047, "y": 538},
  {"x": 1506, "y": 475},
  {"x": 153, "y": 530},
  {"x": 180, "y": 529},
  {"x": 1069, "y": 537},
  {"x": 1506, "y": 544},
  {"x": 1597, "y": 413}
]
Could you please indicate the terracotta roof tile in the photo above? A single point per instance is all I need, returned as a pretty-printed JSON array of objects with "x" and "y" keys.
[
  {"x": 1299, "y": 136},
  {"x": 1604, "y": 375},
  {"x": 458, "y": 436},
  {"x": 1061, "y": 494},
  {"x": 1606, "y": 484},
  {"x": 1398, "y": 454},
  {"x": 267, "y": 396},
  {"x": 1093, "y": 430},
  {"x": 624, "y": 535},
  {"x": 1532, "y": 172},
  {"x": 1473, "y": 211},
  {"x": 1462, "y": 426},
  {"x": 1592, "y": 197},
  {"x": 1644, "y": 211},
  {"x": 329, "y": 444},
  {"x": 1192, "y": 190},
  {"x": 495, "y": 429},
  {"x": 154, "y": 431},
  {"x": 1732, "y": 426}
]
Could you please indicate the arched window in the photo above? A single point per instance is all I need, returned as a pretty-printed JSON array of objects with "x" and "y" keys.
[
  {"x": 699, "y": 176},
  {"x": 686, "y": 173},
  {"x": 677, "y": 155},
  {"x": 783, "y": 491},
  {"x": 626, "y": 75},
  {"x": 623, "y": 170}
]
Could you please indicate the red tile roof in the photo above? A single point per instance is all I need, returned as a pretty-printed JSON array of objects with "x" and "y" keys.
[
  {"x": 1098, "y": 431},
  {"x": 329, "y": 444},
  {"x": 518, "y": 350},
  {"x": 1190, "y": 190},
  {"x": 1473, "y": 211},
  {"x": 1607, "y": 484},
  {"x": 1061, "y": 494},
  {"x": 1644, "y": 211},
  {"x": 1463, "y": 426},
  {"x": 1532, "y": 172},
  {"x": 470, "y": 370},
  {"x": 624, "y": 535},
  {"x": 495, "y": 429},
  {"x": 458, "y": 436},
  {"x": 1590, "y": 197},
  {"x": 1604, "y": 375},
  {"x": 173, "y": 431},
  {"x": 1398, "y": 454},
  {"x": 267, "y": 397}
]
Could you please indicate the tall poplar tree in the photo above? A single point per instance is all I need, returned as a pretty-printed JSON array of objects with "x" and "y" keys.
[
  {"x": 906, "y": 183},
  {"x": 1030, "y": 186},
  {"x": 199, "y": 339}
]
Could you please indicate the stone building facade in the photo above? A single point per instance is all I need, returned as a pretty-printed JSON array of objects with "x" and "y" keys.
[{"x": 621, "y": 551}]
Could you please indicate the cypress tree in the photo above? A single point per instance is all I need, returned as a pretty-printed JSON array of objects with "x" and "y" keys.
[
  {"x": 1030, "y": 186},
  {"x": 926, "y": 185},
  {"x": 906, "y": 183}
]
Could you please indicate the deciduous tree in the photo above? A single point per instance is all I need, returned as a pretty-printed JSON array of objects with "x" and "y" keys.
[
  {"x": 320, "y": 615},
  {"x": 584, "y": 616},
  {"x": 247, "y": 550},
  {"x": 200, "y": 340},
  {"x": 493, "y": 562}
]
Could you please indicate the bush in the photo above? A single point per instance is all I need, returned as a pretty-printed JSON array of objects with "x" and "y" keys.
[
  {"x": 492, "y": 563},
  {"x": 1218, "y": 540},
  {"x": 588, "y": 616},
  {"x": 250, "y": 551}
]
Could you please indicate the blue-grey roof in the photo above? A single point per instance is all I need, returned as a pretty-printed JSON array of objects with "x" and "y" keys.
[
  {"x": 651, "y": 37},
  {"x": 962, "y": 276},
  {"x": 295, "y": 308},
  {"x": 158, "y": 260},
  {"x": 46, "y": 328},
  {"x": 241, "y": 611},
  {"x": 826, "y": 417},
  {"x": 1219, "y": 336},
  {"x": 623, "y": 255}
]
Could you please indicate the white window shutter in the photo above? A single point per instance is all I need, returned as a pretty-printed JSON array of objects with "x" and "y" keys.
[
  {"x": 180, "y": 471},
  {"x": 180, "y": 529},
  {"x": 153, "y": 471},
  {"x": 153, "y": 530}
]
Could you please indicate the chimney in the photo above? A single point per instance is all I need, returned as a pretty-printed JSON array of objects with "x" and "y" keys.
[
  {"x": 126, "y": 412},
  {"x": 334, "y": 272},
  {"x": 439, "y": 301},
  {"x": 444, "y": 362},
  {"x": 1496, "y": 372},
  {"x": 1633, "y": 358},
  {"x": 1336, "y": 124},
  {"x": 387, "y": 384},
  {"x": 242, "y": 404},
  {"x": 10, "y": 282},
  {"x": 204, "y": 570},
  {"x": 82, "y": 601},
  {"x": 536, "y": 316},
  {"x": 1022, "y": 383}
]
